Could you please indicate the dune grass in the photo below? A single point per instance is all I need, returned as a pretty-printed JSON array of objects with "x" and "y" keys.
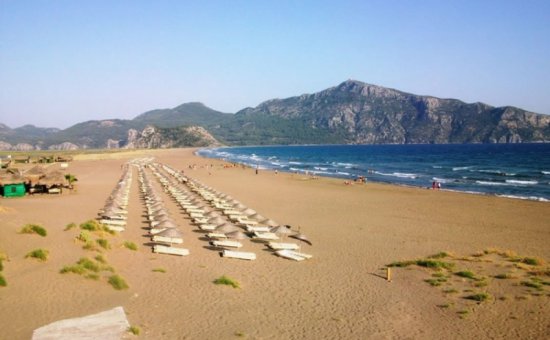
[
  {"x": 130, "y": 245},
  {"x": 39, "y": 254},
  {"x": 159, "y": 270},
  {"x": 100, "y": 259},
  {"x": 1, "y": 265},
  {"x": 34, "y": 229},
  {"x": 3, "y": 282},
  {"x": 135, "y": 330},
  {"x": 224, "y": 280},
  {"x": 84, "y": 236},
  {"x": 70, "y": 226},
  {"x": 426, "y": 263},
  {"x": 479, "y": 297},
  {"x": 103, "y": 243},
  {"x": 466, "y": 274},
  {"x": 118, "y": 282},
  {"x": 95, "y": 226}
]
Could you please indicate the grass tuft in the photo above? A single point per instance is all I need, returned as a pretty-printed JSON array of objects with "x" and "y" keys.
[
  {"x": 39, "y": 254},
  {"x": 159, "y": 270},
  {"x": 532, "y": 284},
  {"x": 426, "y": 263},
  {"x": 134, "y": 330},
  {"x": 479, "y": 297},
  {"x": 466, "y": 274},
  {"x": 504, "y": 276},
  {"x": 532, "y": 261},
  {"x": 130, "y": 245},
  {"x": 91, "y": 225},
  {"x": 100, "y": 259},
  {"x": 70, "y": 226},
  {"x": 103, "y": 243},
  {"x": 3, "y": 282},
  {"x": 84, "y": 236},
  {"x": 224, "y": 280},
  {"x": 33, "y": 229},
  {"x": 440, "y": 255},
  {"x": 118, "y": 282}
]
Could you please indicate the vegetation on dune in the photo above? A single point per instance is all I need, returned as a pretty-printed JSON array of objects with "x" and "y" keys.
[
  {"x": 135, "y": 330},
  {"x": 70, "y": 226},
  {"x": 159, "y": 270},
  {"x": 224, "y": 280},
  {"x": 33, "y": 229},
  {"x": 39, "y": 254},
  {"x": 130, "y": 245},
  {"x": 466, "y": 274},
  {"x": 479, "y": 297},
  {"x": 117, "y": 282},
  {"x": 103, "y": 243},
  {"x": 426, "y": 263},
  {"x": 3, "y": 282}
]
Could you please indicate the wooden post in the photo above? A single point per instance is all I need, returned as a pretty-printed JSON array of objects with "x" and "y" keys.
[{"x": 388, "y": 274}]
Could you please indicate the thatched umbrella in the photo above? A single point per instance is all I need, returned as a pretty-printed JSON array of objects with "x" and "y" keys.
[
  {"x": 249, "y": 212},
  {"x": 257, "y": 217},
  {"x": 53, "y": 178},
  {"x": 281, "y": 230},
  {"x": 170, "y": 235},
  {"x": 216, "y": 220},
  {"x": 237, "y": 235},
  {"x": 269, "y": 222},
  {"x": 302, "y": 237},
  {"x": 226, "y": 228},
  {"x": 240, "y": 206}
]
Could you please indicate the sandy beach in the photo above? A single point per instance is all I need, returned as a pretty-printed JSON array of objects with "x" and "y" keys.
[{"x": 341, "y": 293}]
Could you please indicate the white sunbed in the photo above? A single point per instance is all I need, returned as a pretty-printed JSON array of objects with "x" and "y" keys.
[
  {"x": 114, "y": 228},
  {"x": 265, "y": 236},
  {"x": 293, "y": 255},
  {"x": 282, "y": 246},
  {"x": 216, "y": 236},
  {"x": 226, "y": 243},
  {"x": 207, "y": 227},
  {"x": 120, "y": 223},
  {"x": 158, "y": 238},
  {"x": 196, "y": 215},
  {"x": 260, "y": 229},
  {"x": 160, "y": 249},
  {"x": 238, "y": 254}
]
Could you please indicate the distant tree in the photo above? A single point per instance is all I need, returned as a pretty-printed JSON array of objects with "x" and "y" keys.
[{"x": 71, "y": 179}]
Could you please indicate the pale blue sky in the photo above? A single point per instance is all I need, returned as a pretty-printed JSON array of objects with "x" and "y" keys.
[{"x": 63, "y": 62}]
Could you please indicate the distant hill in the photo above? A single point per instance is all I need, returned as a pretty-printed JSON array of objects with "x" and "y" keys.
[{"x": 351, "y": 113}]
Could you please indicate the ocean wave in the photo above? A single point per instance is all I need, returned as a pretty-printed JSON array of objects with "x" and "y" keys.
[
  {"x": 295, "y": 163},
  {"x": 530, "y": 198},
  {"x": 496, "y": 172},
  {"x": 398, "y": 174},
  {"x": 545, "y": 172},
  {"x": 442, "y": 180},
  {"x": 343, "y": 173},
  {"x": 320, "y": 168},
  {"x": 459, "y": 168},
  {"x": 512, "y": 181},
  {"x": 492, "y": 183}
]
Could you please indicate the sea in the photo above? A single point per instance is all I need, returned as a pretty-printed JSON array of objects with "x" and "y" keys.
[{"x": 520, "y": 171}]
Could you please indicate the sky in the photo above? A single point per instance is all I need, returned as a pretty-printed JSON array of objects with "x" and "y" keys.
[{"x": 65, "y": 62}]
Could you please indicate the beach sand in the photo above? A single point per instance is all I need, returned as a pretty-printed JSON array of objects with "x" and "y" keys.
[{"x": 341, "y": 293}]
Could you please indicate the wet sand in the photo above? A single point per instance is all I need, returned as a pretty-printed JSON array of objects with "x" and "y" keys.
[{"x": 339, "y": 294}]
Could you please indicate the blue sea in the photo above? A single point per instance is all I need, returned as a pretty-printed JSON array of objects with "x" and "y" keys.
[{"x": 519, "y": 171}]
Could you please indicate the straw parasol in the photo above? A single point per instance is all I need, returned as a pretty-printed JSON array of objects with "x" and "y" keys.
[
  {"x": 217, "y": 220},
  {"x": 53, "y": 178},
  {"x": 226, "y": 228},
  {"x": 257, "y": 217},
  {"x": 237, "y": 235},
  {"x": 249, "y": 212},
  {"x": 281, "y": 230},
  {"x": 173, "y": 235},
  {"x": 302, "y": 237},
  {"x": 269, "y": 222}
]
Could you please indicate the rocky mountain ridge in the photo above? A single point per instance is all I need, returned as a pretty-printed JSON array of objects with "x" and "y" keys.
[{"x": 352, "y": 112}]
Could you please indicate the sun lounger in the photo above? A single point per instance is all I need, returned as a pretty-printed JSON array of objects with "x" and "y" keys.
[
  {"x": 260, "y": 229},
  {"x": 114, "y": 227},
  {"x": 160, "y": 249},
  {"x": 265, "y": 236},
  {"x": 120, "y": 223},
  {"x": 246, "y": 222},
  {"x": 154, "y": 231},
  {"x": 207, "y": 227},
  {"x": 231, "y": 212},
  {"x": 238, "y": 254},
  {"x": 196, "y": 215},
  {"x": 226, "y": 243},
  {"x": 293, "y": 255},
  {"x": 158, "y": 238},
  {"x": 282, "y": 246},
  {"x": 216, "y": 236}
]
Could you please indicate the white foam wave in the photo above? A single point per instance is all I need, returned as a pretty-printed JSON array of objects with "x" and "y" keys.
[
  {"x": 295, "y": 163},
  {"x": 545, "y": 172},
  {"x": 441, "y": 180},
  {"x": 512, "y": 181},
  {"x": 530, "y": 198},
  {"x": 343, "y": 173},
  {"x": 405, "y": 175},
  {"x": 491, "y": 183},
  {"x": 320, "y": 168},
  {"x": 459, "y": 168}
]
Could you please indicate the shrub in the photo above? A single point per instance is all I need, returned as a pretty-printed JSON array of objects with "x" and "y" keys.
[
  {"x": 79, "y": 270},
  {"x": 91, "y": 225},
  {"x": 100, "y": 259},
  {"x": 434, "y": 264},
  {"x": 34, "y": 229},
  {"x": 130, "y": 245},
  {"x": 70, "y": 226},
  {"x": 88, "y": 264},
  {"x": 466, "y": 274},
  {"x": 134, "y": 330},
  {"x": 532, "y": 261},
  {"x": 103, "y": 243},
  {"x": 503, "y": 276},
  {"x": 39, "y": 254},
  {"x": 224, "y": 280},
  {"x": 159, "y": 270},
  {"x": 479, "y": 297},
  {"x": 84, "y": 236},
  {"x": 3, "y": 282},
  {"x": 532, "y": 284},
  {"x": 1, "y": 265},
  {"x": 118, "y": 282},
  {"x": 439, "y": 255}
]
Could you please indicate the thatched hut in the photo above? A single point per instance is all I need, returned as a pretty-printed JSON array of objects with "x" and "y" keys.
[
  {"x": 53, "y": 182},
  {"x": 12, "y": 183}
]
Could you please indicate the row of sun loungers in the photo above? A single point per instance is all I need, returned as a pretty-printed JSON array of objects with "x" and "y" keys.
[
  {"x": 163, "y": 229},
  {"x": 114, "y": 213}
]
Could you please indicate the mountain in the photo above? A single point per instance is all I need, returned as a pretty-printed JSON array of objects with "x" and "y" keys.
[
  {"x": 351, "y": 113},
  {"x": 161, "y": 138},
  {"x": 356, "y": 112}
]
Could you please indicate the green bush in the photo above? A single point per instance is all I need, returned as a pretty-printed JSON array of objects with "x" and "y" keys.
[
  {"x": 39, "y": 254},
  {"x": 224, "y": 280},
  {"x": 34, "y": 229},
  {"x": 118, "y": 282},
  {"x": 480, "y": 297},
  {"x": 130, "y": 245},
  {"x": 103, "y": 243},
  {"x": 3, "y": 282},
  {"x": 134, "y": 330},
  {"x": 466, "y": 274}
]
